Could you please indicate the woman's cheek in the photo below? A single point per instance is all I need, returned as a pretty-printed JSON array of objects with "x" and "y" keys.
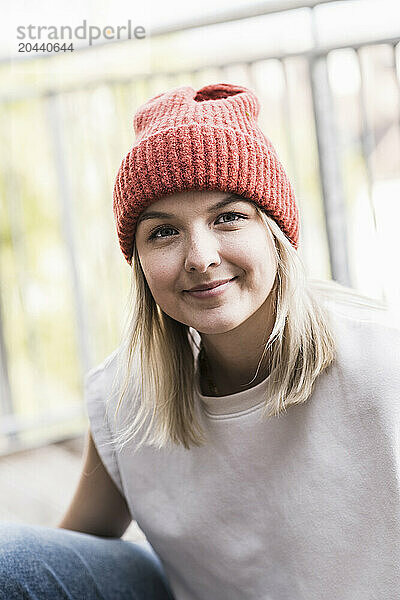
[{"x": 161, "y": 275}]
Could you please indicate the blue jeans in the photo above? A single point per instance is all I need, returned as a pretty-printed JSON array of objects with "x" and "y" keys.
[{"x": 43, "y": 563}]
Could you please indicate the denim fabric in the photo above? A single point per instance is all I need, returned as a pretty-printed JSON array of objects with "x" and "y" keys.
[{"x": 43, "y": 563}]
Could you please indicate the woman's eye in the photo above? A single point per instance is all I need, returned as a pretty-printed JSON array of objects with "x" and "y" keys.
[
  {"x": 162, "y": 232},
  {"x": 232, "y": 217}
]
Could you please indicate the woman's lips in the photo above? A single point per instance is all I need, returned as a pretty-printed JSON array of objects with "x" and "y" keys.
[{"x": 215, "y": 291}]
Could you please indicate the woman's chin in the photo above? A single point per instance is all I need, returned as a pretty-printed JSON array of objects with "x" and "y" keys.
[
  {"x": 211, "y": 324},
  {"x": 215, "y": 327}
]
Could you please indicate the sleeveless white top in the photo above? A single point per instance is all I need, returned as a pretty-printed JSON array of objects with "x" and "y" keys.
[{"x": 302, "y": 506}]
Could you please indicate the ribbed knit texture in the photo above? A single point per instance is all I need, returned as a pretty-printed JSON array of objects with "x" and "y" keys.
[{"x": 204, "y": 140}]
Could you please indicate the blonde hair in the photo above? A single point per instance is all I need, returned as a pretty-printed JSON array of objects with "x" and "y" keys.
[{"x": 159, "y": 363}]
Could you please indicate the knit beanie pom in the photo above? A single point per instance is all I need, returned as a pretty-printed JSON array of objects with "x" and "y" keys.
[
  {"x": 207, "y": 139},
  {"x": 217, "y": 91}
]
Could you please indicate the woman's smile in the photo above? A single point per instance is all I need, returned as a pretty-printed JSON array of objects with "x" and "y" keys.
[{"x": 214, "y": 289}]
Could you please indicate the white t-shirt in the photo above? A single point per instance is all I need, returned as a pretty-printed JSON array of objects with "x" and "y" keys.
[{"x": 302, "y": 506}]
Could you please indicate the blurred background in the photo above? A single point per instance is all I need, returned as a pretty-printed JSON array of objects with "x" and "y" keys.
[{"x": 327, "y": 75}]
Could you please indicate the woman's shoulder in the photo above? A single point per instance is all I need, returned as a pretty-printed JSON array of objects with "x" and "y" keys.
[
  {"x": 364, "y": 317},
  {"x": 367, "y": 338},
  {"x": 105, "y": 368},
  {"x": 103, "y": 382},
  {"x": 349, "y": 305}
]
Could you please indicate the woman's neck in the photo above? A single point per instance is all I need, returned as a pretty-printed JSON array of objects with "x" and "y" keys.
[
  {"x": 216, "y": 383},
  {"x": 230, "y": 360}
]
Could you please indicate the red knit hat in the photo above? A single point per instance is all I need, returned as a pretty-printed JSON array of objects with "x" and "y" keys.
[{"x": 204, "y": 140}]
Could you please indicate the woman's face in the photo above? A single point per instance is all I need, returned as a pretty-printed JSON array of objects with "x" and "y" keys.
[{"x": 206, "y": 239}]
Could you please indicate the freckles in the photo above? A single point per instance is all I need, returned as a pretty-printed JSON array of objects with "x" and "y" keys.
[{"x": 160, "y": 275}]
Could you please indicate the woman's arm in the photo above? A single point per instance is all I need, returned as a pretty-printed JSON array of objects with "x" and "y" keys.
[{"x": 97, "y": 507}]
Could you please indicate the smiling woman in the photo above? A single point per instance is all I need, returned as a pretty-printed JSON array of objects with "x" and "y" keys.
[{"x": 245, "y": 401}]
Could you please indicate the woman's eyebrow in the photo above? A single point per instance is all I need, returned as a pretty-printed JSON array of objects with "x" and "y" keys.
[{"x": 164, "y": 215}]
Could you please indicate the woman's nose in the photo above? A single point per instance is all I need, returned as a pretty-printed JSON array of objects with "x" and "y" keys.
[{"x": 201, "y": 252}]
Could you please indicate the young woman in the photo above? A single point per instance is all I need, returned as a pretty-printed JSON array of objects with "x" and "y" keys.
[{"x": 250, "y": 420}]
